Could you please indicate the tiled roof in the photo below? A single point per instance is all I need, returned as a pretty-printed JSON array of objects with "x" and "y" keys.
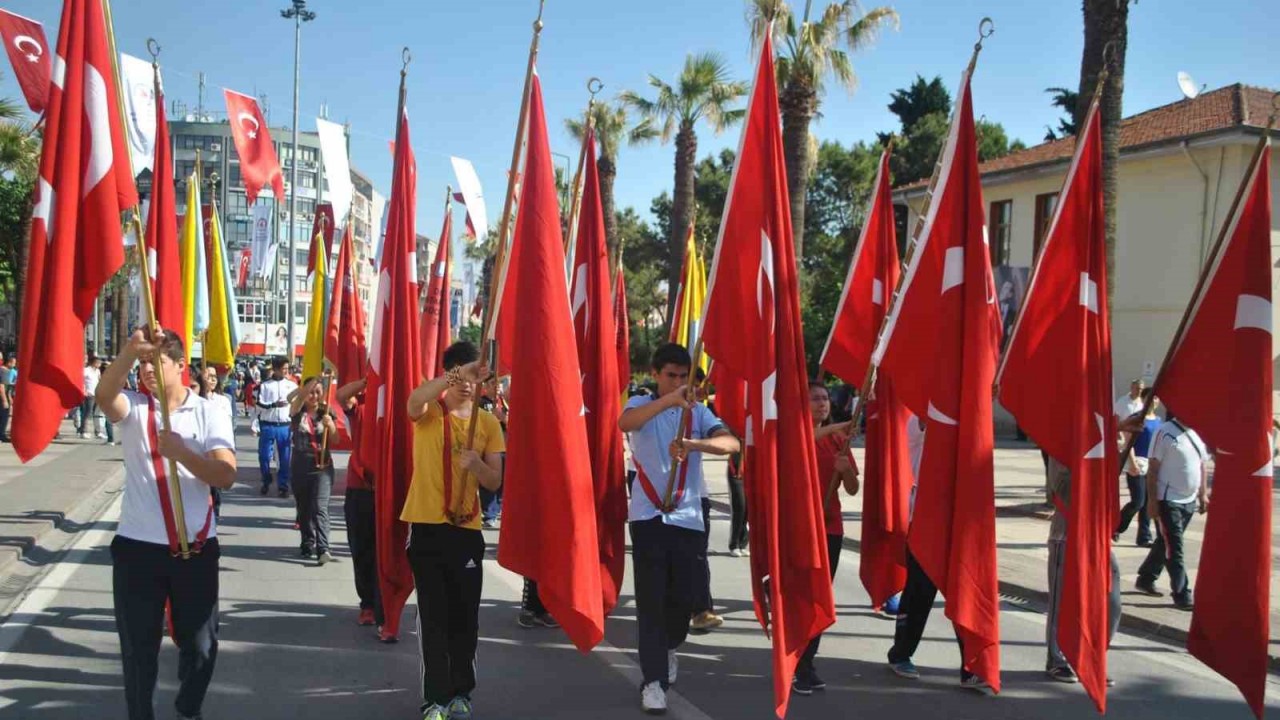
[{"x": 1230, "y": 107}]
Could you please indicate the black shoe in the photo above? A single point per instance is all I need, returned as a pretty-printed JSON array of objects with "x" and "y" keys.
[
  {"x": 801, "y": 684},
  {"x": 1115, "y": 538},
  {"x": 307, "y": 552},
  {"x": 1185, "y": 605},
  {"x": 266, "y": 489},
  {"x": 1147, "y": 587},
  {"x": 1144, "y": 542},
  {"x": 816, "y": 682},
  {"x": 284, "y": 492}
]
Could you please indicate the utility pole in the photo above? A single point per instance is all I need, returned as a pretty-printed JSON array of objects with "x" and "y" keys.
[{"x": 299, "y": 14}]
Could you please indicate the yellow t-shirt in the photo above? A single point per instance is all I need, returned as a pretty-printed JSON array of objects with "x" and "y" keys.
[{"x": 425, "y": 502}]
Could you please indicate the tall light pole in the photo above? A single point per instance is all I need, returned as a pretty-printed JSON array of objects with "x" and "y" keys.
[{"x": 298, "y": 14}]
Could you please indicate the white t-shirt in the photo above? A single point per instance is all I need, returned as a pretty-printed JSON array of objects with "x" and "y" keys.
[
  {"x": 204, "y": 428},
  {"x": 1181, "y": 454},
  {"x": 1126, "y": 406},
  {"x": 221, "y": 402},
  {"x": 273, "y": 391},
  {"x": 91, "y": 377},
  {"x": 915, "y": 448}
]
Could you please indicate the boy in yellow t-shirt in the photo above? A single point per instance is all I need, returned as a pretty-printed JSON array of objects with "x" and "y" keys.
[{"x": 442, "y": 509}]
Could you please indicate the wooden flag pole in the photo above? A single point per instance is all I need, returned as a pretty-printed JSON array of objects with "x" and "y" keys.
[
  {"x": 594, "y": 85},
  {"x": 691, "y": 395},
  {"x": 985, "y": 29},
  {"x": 498, "y": 274}
]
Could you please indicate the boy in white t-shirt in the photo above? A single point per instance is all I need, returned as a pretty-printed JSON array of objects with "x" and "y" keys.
[{"x": 147, "y": 568}]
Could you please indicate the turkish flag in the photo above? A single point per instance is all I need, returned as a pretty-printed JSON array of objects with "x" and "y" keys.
[
  {"x": 939, "y": 349},
  {"x": 259, "y": 166},
  {"x": 597, "y": 342},
  {"x": 886, "y": 489},
  {"x": 242, "y": 274},
  {"x": 752, "y": 330},
  {"x": 395, "y": 369},
  {"x": 162, "y": 232},
  {"x": 1062, "y": 340},
  {"x": 85, "y": 182},
  {"x": 622, "y": 322},
  {"x": 28, "y": 52},
  {"x": 322, "y": 226},
  {"x": 548, "y": 461},
  {"x": 344, "y": 342},
  {"x": 1218, "y": 380},
  {"x": 434, "y": 331}
]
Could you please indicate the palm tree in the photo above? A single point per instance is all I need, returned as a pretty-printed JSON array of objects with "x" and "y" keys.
[
  {"x": 1065, "y": 100},
  {"x": 611, "y": 125},
  {"x": 808, "y": 53},
  {"x": 1106, "y": 22},
  {"x": 19, "y": 147},
  {"x": 702, "y": 92}
]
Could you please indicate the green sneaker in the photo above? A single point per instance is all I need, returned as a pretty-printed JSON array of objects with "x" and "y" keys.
[
  {"x": 435, "y": 712},
  {"x": 460, "y": 708}
]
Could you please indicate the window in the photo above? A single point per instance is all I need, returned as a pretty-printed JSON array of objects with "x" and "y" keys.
[
  {"x": 307, "y": 179},
  {"x": 1000, "y": 231},
  {"x": 235, "y": 180},
  {"x": 301, "y": 310},
  {"x": 1045, "y": 205},
  {"x": 237, "y": 204},
  {"x": 252, "y": 311}
]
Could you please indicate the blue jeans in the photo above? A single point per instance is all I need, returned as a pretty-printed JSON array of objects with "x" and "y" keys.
[{"x": 276, "y": 436}]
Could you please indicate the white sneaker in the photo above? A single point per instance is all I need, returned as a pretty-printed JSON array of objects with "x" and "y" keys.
[
  {"x": 735, "y": 553},
  {"x": 653, "y": 699},
  {"x": 84, "y": 436},
  {"x": 673, "y": 667}
]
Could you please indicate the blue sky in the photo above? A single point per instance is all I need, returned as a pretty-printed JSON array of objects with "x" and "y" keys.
[{"x": 468, "y": 62}]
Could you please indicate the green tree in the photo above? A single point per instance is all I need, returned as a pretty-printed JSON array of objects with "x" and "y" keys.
[
  {"x": 644, "y": 260},
  {"x": 704, "y": 91},
  {"x": 612, "y": 127},
  {"x": 808, "y": 52},
  {"x": 19, "y": 164},
  {"x": 1066, "y": 101}
]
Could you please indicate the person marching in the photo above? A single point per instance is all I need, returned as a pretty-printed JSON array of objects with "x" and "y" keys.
[
  {"x": 834, "y": 460},
  {"x": 273, "y": 422},
  {"x": 358, "y": 511},
  {"x": 446, "y": 547},
  {"x": 311, "y": 467},
  {"x": 209, "y": 391},
  {"x": 147, "y": 569},
  {"x": 666, "y": 541}
]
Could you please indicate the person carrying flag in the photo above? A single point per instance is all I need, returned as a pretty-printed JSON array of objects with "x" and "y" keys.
[
  {"x": 147, "y": 569},
  {"x": 666, "y": 541},
  {"x": 445, "y": 548},
  {"x": 358, "y": 511}
]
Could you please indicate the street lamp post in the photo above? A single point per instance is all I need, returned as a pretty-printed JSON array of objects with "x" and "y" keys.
[{"x": 299, "y": 14}]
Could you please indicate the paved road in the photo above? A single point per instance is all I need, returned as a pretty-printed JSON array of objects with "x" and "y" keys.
[{"x": 290, "y": 648}]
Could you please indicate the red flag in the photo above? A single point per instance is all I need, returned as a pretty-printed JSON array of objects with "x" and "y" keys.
[
  {"x": 753, "y": 332},
  {"x": 85, "y": 183},
  {"x": 622, "y": 322},
  {"x": 1062, "y": 340},
  {"x": 597, "y": 342},
  {"x": 321, "y": 225},
  {"x": 162, "y": 232},
  {"x": 259, "y": 166},
  {"x": 886, "y": 491},
  {"x": 548, "y": 463},
  {"x": 28, "y": 52},
  {"x": 395, "y": 369},
  {"x": 344, "y": 342},
  {"x": 939, "y": 348},
  {"x": 434, "y": 331},
  {"x": 242, "y": 274},
  {"x": 1218, "y": 380}
]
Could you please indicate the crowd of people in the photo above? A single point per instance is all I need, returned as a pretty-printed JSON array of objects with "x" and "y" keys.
[{"x": 297, "y": 423}]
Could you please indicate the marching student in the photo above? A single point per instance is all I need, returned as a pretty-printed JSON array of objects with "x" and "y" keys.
[
  {"x": 704, "y": 617},
  {"x": 208, "y": 390},
  {"x": 273, "y": 422},
  {"x": 147, "y": 570},
  {"x": 358, "y": 511},
  {"x": 446, "y": 546},
  {"x": 666, "y": 544},
  {"x": 835, "y": 461},
  {"x": 311, "y": 466}
]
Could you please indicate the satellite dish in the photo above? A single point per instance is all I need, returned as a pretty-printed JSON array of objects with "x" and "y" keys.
[{"x": 1188, "y": 86}]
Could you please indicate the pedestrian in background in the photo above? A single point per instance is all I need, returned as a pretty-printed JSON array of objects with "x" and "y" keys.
[
  {"x": 273, "y": 425},
  {"x": 88, "y": 407},
  {"x": 1177, "y": 487},
  {"x": 1136, "y": 469}
]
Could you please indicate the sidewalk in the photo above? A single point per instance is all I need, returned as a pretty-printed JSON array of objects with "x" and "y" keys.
[
  {"x": 47, "y": 502},
  {"x": 1022, "y": 529}
]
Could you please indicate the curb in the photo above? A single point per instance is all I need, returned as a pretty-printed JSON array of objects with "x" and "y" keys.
[{"x": 1039, "y": 599}]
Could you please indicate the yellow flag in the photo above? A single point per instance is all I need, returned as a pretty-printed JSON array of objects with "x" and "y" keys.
[
  {"x": 693, "y": 296},
  {"x": 195, "y": 284},
  {"x": 221, "y": 342},
  {"x": 313, "y": 351}
]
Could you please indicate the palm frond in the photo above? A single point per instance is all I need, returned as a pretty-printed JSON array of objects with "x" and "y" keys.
[{"x": 863, "y": 33}]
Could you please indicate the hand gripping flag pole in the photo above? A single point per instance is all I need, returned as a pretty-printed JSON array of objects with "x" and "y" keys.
[{"x": 985, "y": 29}]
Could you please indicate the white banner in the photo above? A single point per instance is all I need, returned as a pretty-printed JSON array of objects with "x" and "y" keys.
[
  {"x": 140, "y": 107},
  {"x": 472, "y": 195},
  {"x": 337, "y": 170},
  {"x": 262, "y": 245}
]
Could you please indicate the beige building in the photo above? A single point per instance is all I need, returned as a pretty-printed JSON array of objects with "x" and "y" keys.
[{"x": 1180, "y": 166}]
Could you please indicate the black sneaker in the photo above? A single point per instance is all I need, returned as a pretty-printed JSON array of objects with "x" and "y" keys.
[
  {"x": 265, "y": 489},
  {"x": 1184, "y": 604},
  {"x": 816, "y": 682},
  {"x": 284, "y": 492},
  {"x": 1147, "y": 587},
  {"x": 527, "y": 620},
  {"x": 801, "y": 684}
]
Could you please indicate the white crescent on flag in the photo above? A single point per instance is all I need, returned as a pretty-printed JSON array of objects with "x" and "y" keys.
[
  {"x": 253, "y": 132},
  {"x": 35, "y": 53}
]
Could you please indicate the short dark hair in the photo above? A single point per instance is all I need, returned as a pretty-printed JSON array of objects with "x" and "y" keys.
[
  {"x": 278, "y": 363},
  {"x": 670, "y": 354},
  {"x": 459, "y": 354},
  {"x": 170, "y": 344}
]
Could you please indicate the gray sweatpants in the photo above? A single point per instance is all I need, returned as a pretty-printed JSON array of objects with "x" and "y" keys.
[{"x": 1057, "y": 556}]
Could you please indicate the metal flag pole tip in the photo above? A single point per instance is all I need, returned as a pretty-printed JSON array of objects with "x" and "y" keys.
[
  {"x": 986, "y": 28},
  {"x": 594, "y": 86},
  {"x": 537, "y": 24},
  {"x": 153, "y": 47},
  {"x": 405, "y": 57}
]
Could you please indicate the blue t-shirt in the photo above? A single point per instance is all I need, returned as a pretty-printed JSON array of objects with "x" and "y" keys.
[
  {"x": 651, "y": 449},
  {"x": 1142, "y": 446}
]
